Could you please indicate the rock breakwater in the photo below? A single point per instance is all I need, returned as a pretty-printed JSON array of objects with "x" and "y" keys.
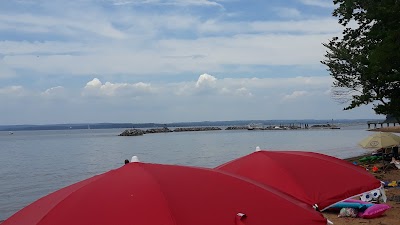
[
  {"x": 132, "y": 132},
  {"x": 183, "y": 129},
  {"x": 139, "y": 132}
]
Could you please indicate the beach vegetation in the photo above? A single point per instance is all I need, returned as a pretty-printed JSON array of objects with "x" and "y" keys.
[{"x": 365, "y": 60}]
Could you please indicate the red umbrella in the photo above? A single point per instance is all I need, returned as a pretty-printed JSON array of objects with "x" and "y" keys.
[
  {"x": 316, "y": 179},
  {"x": 155, "y": 194}
]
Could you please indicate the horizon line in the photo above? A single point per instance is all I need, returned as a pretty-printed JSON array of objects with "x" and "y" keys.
[{"x": 204, "y": 121}]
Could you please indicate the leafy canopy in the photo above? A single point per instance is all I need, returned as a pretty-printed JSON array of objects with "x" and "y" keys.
[{"x": 365, "y": 61}]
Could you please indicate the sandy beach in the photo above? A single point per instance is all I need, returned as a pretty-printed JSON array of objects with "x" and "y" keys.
[
  {"x": 391, "y": 216},
  {"x": 395, "y": 129}
]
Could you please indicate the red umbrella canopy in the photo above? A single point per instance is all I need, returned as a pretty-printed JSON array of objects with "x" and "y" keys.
[
  {"x": 155, "y": 194},
  {"x": 316, "y": 179}
]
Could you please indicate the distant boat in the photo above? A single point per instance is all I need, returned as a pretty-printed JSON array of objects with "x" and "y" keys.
[
  {"x": 10, "y": 133},
  {"x": 255, "y": 126}
]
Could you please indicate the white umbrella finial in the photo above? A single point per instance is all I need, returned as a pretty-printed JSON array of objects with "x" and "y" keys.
[
  {"x": 258, "y": 149},
  {"x": 134, "y": 159}
]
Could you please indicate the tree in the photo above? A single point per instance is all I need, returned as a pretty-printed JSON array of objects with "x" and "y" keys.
[{"x": 365, "y": 60}]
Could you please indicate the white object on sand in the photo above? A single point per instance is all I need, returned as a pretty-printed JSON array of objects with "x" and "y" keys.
[{"x": 396, "y": 163}]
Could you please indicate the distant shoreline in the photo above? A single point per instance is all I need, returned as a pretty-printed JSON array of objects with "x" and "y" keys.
[
  {"x": 81, "y": 126},
  {"x": 140, "y": 132},
  {"x": 394, "y": 129}
]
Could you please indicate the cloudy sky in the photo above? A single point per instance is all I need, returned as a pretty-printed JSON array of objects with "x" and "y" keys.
[{"x": 65, "y": 61}]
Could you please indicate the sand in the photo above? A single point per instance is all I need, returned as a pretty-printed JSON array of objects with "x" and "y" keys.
[
  {"x": 395, "y": 129},
  {"x": 391, "y": 216}
]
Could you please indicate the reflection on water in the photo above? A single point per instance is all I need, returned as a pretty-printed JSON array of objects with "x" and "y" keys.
[{"x": 35, "y": 163}]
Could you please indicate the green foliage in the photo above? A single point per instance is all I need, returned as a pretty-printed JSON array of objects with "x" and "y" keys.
[{"x": 365, "y": 60}]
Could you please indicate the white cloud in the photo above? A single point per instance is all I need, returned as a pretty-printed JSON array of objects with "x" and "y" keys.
[
  {"x": 243, "y": 92},
  {"x": 216, "y": 52},
  {"x": 307, "y": 26},
  {"x": 319, "y": 3},
  {"x": 232, "y": 98},
  {"x": 279, "y": 83},
  {"x": 54, "y": 92},
  {"x": 208, "y": 84},
  {"x": 59, "y": 25},
  {"x": 286, "y": 12},
  {"x": 37, "y": 48},
  {"x": 296, "y": 94},
  {"x": 138, "y": 39},
  {"x": 226, "y": 88},
  {"x": 206, "y": 80},
  {"x": 13, "y": 91},
  {"x": 168, "y": 2},
  {"x": 96, "y": 88},
  {"x": 95, "y": 83},
  {"x": 193, "y": 2}
]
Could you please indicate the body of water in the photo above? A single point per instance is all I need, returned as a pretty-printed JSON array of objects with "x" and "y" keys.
[{"x": 35, "y": 163}]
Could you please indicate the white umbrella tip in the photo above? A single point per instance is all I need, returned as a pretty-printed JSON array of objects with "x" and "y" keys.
[
  {"x": 135, "y": 159},
  {"x": 258, "y": 149}
]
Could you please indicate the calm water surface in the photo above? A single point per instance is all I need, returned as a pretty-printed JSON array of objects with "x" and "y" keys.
[{"x": 35, "y": 163}]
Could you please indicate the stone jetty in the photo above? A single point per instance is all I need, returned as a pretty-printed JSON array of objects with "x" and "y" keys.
[
  {"x": 132, "y": 132},
  {"x": 183, "y": 129},
  {"x": 325, "y": 126},
  {"x": 139, "y": 132},
  {"x": 158, "y": 130},
  {"x": 237, "y": 128}
]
